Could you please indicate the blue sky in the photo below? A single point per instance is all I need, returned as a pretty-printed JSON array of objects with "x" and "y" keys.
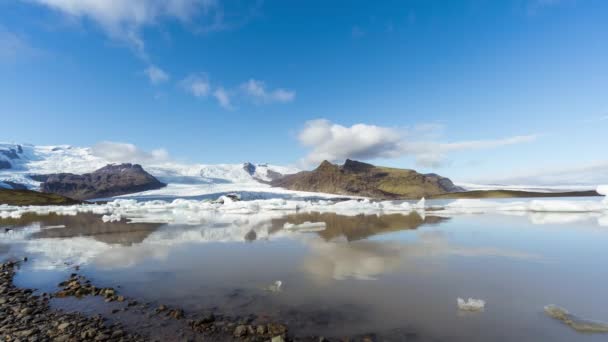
[{"x": 476, "y": 90}]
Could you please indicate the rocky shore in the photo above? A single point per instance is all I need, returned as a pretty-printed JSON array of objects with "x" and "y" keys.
[{"x": 26, "y": 315}]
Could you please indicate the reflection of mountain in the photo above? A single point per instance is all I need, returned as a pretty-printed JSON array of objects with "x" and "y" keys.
[
  {"x": 361, "y": 226},
  {"x": 369, "y": 259},
  {"x": 88, "y": 225}
]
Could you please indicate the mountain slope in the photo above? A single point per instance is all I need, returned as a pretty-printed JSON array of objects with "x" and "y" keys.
[
  {"x": 360, "y": 179},
  {"x": 110, "y": 180},
  {"x": 28, "y": 197}
]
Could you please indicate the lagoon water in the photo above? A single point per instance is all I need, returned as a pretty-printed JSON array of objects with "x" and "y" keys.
[{"x": 397, "y": 276}]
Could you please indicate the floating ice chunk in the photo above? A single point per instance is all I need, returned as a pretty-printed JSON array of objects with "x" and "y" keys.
[
  {"x": 471, "y": 304},
  {"x": 420, "y": 204},
  {"x": 579, "y": 324},
  {"x": 276, "y": 287},
  {"x": 111, "y": 218}
]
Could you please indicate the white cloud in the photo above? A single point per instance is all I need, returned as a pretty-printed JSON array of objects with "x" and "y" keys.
[
  {"x": 197, "y": 84},
  {"x": 156, "y": 74},
  {"x": 334, "y": 142},
  {"x": 123, "y": 20},
  {"x": 223, "y": 98},
  {"x": 117, "y": 152},
  {"x": 256, "y": 90}
]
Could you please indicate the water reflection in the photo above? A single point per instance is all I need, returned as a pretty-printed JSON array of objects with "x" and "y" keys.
[
  {"x": 360, "y": 226},
  {"x": 358, "y": 274}
]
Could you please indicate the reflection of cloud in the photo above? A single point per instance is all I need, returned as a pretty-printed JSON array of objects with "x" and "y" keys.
[
  {"x": 359, "y": 260},
  {"x": 130, "y": 256},
  {"x": 559, "y": 218},
  {"x": 369, "y": 259}
]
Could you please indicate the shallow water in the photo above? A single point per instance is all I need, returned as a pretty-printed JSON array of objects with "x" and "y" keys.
[{"x": 385, "y": 274}]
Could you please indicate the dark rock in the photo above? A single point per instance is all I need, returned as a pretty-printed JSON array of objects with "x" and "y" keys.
[
  {"x": 249, "y": 168},
  {"x": 110, "y": 180},
  {"x": 240, "y": 331}
]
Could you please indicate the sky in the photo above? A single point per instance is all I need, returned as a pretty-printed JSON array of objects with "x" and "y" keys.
[{"x": 479, "y": 91}]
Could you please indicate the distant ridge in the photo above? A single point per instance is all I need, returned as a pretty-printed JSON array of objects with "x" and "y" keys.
[{"x": 356, "y": 178}]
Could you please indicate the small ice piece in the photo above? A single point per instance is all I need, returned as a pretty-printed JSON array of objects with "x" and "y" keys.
[
  {"x": 276, "y": 287},
  {"x": 471, "y": 304},
  {"x": 420, "y": 204},
  {"x": 111, "y": 218},
  {"x": 579, "y": 324},
  {"x": 54, "y": 227}
]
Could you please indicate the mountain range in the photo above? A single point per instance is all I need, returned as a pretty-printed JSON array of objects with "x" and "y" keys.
[{"x": 84, "y": 173}]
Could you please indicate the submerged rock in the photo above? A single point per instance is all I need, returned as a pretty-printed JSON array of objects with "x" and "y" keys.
[{"x": 579, "y": 324}]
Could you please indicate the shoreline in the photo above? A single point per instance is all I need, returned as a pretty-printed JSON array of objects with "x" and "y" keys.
[{"x": 26, "y": 315}]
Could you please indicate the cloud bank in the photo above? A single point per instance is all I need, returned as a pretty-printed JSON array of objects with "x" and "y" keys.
[
  {"x": 117, "y": 152},
  {"x": 334, "y": 142}
]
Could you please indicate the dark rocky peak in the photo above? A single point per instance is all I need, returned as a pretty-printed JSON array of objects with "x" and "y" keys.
[
  {"x": 356, "y": 166},
  {"x": 249, "y": 168},
  {"x": 327, "y": 166},
  {"x": 110, "y": 180},
  {"x": 115, "y": 168}
]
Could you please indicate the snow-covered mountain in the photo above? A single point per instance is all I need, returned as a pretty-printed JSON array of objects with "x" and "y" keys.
[{"x": 19, "y": 163}]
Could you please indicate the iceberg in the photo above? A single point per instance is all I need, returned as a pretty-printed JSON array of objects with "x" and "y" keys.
[{"x": 471, "y": 304}]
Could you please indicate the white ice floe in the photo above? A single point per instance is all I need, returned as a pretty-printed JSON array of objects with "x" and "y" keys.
[
  {"x": 471, "y": 304},
  {"x": 195, "y": 211},
  {"x": 185, "y": 211},
  {"x": 111, "y": 218}
]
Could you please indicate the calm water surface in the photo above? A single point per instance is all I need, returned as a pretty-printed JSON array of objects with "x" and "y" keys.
[{"x": 360, "y": 274}]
